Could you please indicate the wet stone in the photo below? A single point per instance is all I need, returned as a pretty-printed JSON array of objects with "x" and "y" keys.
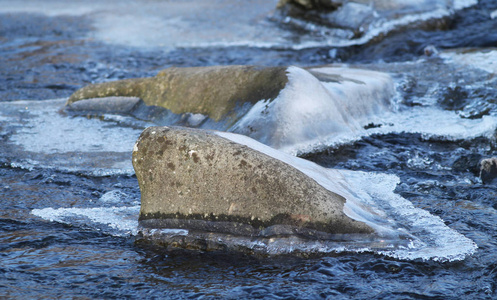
[{"x": 488, "y": 170}]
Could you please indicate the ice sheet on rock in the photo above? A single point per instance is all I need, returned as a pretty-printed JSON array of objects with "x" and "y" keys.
[
  {"x": 434, "y": 240},
  {"x": 40, "y": 136},
  {"x": 118, "y": 221},
  {"x": 327, "y": 107},
  {"x": 317, "y": 103},
  {"x": 430, "y": 122},
  {"x": 371, "y": 199}
]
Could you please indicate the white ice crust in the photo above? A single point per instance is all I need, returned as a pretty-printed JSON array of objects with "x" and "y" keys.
[
  {"x": 311, "y": 115},
  {"x": 482, "y": 59},
  {"x": 371, "y": 199}
]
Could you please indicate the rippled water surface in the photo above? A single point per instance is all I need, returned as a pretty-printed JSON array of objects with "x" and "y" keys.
[{"x": 69, "y": 198}]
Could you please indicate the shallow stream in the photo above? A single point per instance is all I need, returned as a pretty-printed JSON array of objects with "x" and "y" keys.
[{"x": 70, "y": 200}]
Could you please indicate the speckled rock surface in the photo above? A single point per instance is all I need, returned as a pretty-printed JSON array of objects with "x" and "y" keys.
[{"x": 195, "y": 179}]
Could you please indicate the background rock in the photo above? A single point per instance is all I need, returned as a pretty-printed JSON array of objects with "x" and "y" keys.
[{"x": 213, "y": 91}]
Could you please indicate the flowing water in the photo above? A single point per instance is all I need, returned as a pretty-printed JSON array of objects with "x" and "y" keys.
[{"x": 69, "y": 198}]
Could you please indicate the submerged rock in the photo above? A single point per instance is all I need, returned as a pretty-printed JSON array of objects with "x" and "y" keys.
[
  {"x": 196, "y": 179},
  {"x": 212, "y": 91},
  {"x": 488, "y": 170}
]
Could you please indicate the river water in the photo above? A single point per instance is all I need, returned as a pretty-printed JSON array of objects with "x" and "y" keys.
[{"x": 70, "y": 200}]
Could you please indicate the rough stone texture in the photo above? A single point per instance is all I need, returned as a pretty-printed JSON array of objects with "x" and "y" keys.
[
  {"x": 213, "y": 91},
  {"x": 195, "y": 179},
  {"x": 488, "y": 170}
]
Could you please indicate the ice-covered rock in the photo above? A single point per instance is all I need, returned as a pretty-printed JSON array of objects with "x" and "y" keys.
[
  {"x": 287, "y": 108},
  {"x": 319, "y": 104}
]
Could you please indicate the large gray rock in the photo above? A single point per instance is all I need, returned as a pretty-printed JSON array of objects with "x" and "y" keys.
[
  {"x": 213, "y": 91},
  {"x": 196, "y": 179}
]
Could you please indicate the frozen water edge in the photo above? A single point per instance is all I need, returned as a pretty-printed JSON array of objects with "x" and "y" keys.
[
  {"x": 371, "y": 199},
  {"x": 48, "y": 131},
  {"x": 39, "y": 135},
  {"x": 117, "y": 221},
  {"x": 484, "y": 60},
  {"x": 436, "y": 241},
  {"x": 387, "y": 211},
  {"x": 312, "y": 114},
  {"x": 440, "y": 244},
  {"x": 430, "y": 122}
]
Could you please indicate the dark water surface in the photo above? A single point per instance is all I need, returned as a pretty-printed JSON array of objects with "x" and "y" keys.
[{"x": 46, "y": 57}]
